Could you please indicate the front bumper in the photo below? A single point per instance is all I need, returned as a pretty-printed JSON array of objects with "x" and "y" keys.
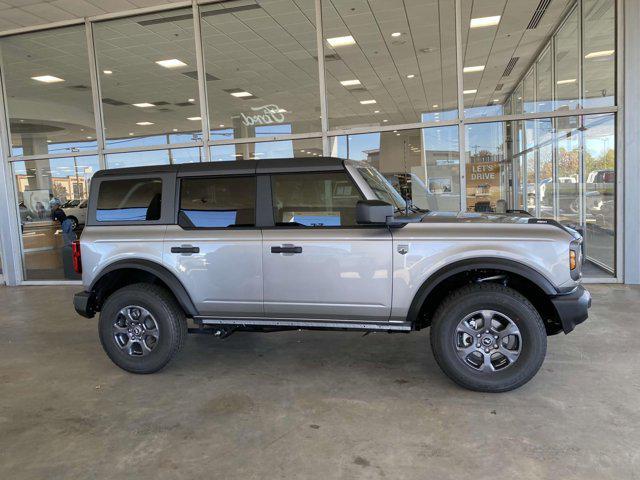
[
  {"x": 572, "y": 307},
  {"x": 83, "y": 303}
]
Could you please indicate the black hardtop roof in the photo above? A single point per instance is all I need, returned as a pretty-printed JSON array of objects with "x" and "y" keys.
[{"x": 236, "y": 167}]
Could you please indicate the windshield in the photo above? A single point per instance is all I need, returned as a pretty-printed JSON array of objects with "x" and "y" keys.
[{"x": 381, "y": 187}]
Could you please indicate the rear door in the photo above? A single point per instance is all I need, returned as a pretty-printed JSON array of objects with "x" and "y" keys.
[
  {"x": 215, "y": 250},
  {"x": 318, "y": 263}
]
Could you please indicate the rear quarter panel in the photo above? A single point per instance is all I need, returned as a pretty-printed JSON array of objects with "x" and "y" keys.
[
  {"x": 101, "y": 246},
  {"x": 433, "y": 246}
]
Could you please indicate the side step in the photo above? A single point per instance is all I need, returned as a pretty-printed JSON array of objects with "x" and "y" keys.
[{"x": 307, "y": 324}]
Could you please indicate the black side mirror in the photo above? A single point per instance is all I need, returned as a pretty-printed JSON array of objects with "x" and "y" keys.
[{"x": 374, "y": 212}]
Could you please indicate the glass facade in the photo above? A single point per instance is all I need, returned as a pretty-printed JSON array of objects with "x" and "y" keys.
[{"x": 517, "y": 116}]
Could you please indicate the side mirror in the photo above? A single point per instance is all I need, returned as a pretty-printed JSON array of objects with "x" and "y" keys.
[{"x": 373, "y": 212}]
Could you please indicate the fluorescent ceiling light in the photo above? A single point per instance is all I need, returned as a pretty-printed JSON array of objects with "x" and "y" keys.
[
  {"x": 385, "y": 120},
  {"x": 435, "y": 106},
  {"x": 564, "y": 82},
  {"x": 107, "y": 72},
  {"x": 174, "y": 129},
  {"x": 192, "y": 100},
  {"x": 396, "y": 34},
  {"x": 241, "y": 94},
  {"x": 144, "y": 123},
  {"x": 47, "y": 79},
  {"x": 349, "y": 83},
  {"x": 376, "y": 111},
  {"x": 411, "y": 75},
  {"x": 484, "y": 21},
  {"x": 496, "y": 100},
  {"x": 194, "y": 119},
  {"x": 602, "y": 53},
  {"x": 221, "y": 125},
  {"x": 171, "y": 63},
  {"x": 144, "y": 105},
  {"x": 477, "y": 68},
  {"x": 341, "y": 41},
  {"x": 466, "y": 92},
  {"x": 130, "y": 133},
  {"x": 367, "y": 102}
]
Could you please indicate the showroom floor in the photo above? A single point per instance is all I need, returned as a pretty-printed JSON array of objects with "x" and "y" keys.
[{"x": 300, "y": 405}]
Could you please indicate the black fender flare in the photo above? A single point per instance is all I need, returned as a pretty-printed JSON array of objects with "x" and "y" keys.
[
  {"x": 484, "y": 263},
  {"x": 167, "y": 277}
]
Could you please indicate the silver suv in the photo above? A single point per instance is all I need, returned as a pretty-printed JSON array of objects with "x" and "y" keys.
[{"x": 261, "y": 246}]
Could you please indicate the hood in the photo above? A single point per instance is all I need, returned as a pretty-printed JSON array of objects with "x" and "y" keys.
[
  {"x": 473, "y": 217},
  {"x": 519, "y": 217}
]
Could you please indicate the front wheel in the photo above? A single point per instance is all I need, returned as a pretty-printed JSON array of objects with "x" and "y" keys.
[
  {"x": 141, "y": 328},
  {"x": 488, "y": 337}
]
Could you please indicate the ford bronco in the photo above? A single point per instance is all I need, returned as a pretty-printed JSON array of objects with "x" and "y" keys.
[{"x": 320, "y": 243}]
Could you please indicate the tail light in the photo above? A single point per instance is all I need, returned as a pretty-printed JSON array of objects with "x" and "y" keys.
[{"x": 77, "y": 256}]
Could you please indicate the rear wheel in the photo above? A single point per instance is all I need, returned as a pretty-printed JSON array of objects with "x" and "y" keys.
[
  {"x": 488, "y": 337},
  {"x": 141, "y": 328}
]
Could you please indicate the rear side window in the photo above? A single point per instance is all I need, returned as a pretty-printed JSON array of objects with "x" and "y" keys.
[
  {"x": 218, "y": 202},
  {"x": 314, "y": 199},
  {"x": 132, "y": 200}
]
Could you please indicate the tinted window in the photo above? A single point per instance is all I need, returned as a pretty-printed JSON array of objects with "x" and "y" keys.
[
  {"x": 129, "y": 200},
  {"x": 218, "y": 202},
  {"x": 315, "y": 199}
]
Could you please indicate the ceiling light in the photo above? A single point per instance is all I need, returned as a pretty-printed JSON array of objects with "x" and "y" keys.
[
  {"x": 221, "y": 125},
  {"x": 602, "y": 53},
  {"x": 107, "y": 72},
  {"x": 341, "y": 41},
  {"x": 47, "y": 79},
  {"x": 411, "y": 75},
  {"x": 241, "y": 94},
  {"x": 564, "y": 82},
  {"x": 435, "y": 106},
  {"x": 397, "y": 134},
  {"x": 385, "y": 120},
  {"x": 484, "y": 22},
  {"x": 144, "y": 123},
  {"x": 171, "y": 63},
  {"x": 89, "y": 137},
  {"x": 349, "y": 83},
  {"x": 396, "y": 34},
  {"x": 477, "y": 68},
  {"x": 470, "y": 91},
  {"x": 48, "y": 141},
  {"x": 174, "y": 129},
  {"x": 144, "y": 105},
  {"x": 496, "y": 100},
  {"x": 130, "y": 134},
  {"x": 194, "y": 119},
  {"x": 367, "y": 102},
  {"x": 192, "y": 100}
]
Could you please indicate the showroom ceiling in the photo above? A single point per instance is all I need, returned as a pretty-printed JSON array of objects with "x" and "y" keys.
[{"x": 402, "y": 57}]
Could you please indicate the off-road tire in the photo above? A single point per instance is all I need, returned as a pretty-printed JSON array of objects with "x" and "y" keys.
[
  {"x": 488, "y": 296},
  {"x": 172, "y": 326}
]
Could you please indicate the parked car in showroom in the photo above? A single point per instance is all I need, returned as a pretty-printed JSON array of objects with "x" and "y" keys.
[{"x": 322, "y": 244}]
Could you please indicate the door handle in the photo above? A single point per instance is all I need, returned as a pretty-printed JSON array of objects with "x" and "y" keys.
[
  {"x": 185, "y": 249},
  {"x": 286, "y": 249}
]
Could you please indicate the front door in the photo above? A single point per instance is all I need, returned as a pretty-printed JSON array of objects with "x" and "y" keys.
[
  {"x": 317, "y": 262},
  {"x": 216, "y": 250}
]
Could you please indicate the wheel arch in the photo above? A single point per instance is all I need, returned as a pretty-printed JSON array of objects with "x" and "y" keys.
[
  {"x": 529, "y": 282},
  {"x": 127, "y": 272}
]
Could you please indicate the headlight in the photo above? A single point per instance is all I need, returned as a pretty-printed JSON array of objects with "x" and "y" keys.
[{"x": 575, "y": 258}]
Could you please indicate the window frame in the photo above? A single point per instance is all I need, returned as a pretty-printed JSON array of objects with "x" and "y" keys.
[
  {"x": 178, "y": 201},
  {"x": 349, "y": 178},
  {"x": 168, "y": 199}
]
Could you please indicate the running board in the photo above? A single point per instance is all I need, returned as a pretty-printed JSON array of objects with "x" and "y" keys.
[{"x": 312, "y": 324}]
